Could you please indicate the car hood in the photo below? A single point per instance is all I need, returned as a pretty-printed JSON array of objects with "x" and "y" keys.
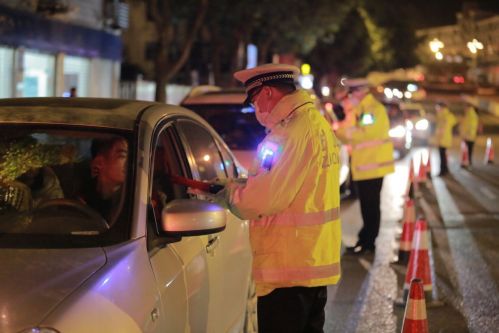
[{"x": 34, "y": 281}]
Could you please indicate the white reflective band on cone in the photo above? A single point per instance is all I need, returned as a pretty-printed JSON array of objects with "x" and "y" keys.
[{"x": 416, "y": 309}]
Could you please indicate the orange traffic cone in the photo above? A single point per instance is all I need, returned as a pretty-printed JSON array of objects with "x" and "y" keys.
[
  {"x": 465, "y": 159},
  {"x": 419, "y": 260},
  {"x": 415, "y": 319},
  {"x": 422, "y": 171},
  {"x": 411, "y": 183},
  {"x": 489, "y": 152},
  {"x": 407, "y": 233}
]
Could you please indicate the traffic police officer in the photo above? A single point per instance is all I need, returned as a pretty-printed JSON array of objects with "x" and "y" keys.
[
  {"x": 469, "y": 129},
  {"x": 371, "y": 159},
  {"x": 443, "y": 134},
  {"x": 292, "y": 200}
]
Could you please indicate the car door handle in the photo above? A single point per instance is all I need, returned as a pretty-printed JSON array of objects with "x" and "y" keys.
[
  {"x": 212, "y": 244},
  {"x": 154, "y": 314}
]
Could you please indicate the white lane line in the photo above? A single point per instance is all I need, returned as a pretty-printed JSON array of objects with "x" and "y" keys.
[
  {"x": 488, "y": 193},
  {"x": 475, "y": 186},
  {"x": 476, "y": 285}
]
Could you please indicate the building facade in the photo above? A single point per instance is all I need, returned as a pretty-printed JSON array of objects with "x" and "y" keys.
[
  {"x": 471, "y": 44},
  {"x": 48, "y": 47}
]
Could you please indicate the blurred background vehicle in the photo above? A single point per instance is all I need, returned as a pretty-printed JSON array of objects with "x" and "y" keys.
[
  {"x": 401, "y": 90},
  {"x": 417, "y": 122},
  {"x": 399, "y": 131},
  {"x": 236, "y": 123}
]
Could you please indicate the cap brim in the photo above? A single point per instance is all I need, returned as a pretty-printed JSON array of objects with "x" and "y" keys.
[{"x": 247, "y": 101}]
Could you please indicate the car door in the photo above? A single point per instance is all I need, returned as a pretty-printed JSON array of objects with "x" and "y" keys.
[
  {"x": 180, "y": 265},
  {"x": 229, "y": 257}
]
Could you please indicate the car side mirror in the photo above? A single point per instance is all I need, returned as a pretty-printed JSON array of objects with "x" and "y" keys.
[{"x": 192, "y": 217}]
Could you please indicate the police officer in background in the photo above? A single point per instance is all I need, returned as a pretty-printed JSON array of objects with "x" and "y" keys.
[
  {"x": 443, "y": 134},
  {"x": 371, "y": 159},
  {"x": 292, "y": 200},
  {"x": 468, "y": 130}
]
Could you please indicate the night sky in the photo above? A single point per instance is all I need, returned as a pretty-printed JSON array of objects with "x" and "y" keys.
[{"x": 430, "y": 13}]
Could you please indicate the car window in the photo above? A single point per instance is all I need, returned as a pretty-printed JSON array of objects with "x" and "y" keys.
[
  {"x": 62, "y": 184},
  {"x": 166, "y": 162},
  {"x": 414, "y": 113},
  {"x": 229, "y": 163},
  {"x": 207, "y": 162},
  {"x": 237, "y": 125}
]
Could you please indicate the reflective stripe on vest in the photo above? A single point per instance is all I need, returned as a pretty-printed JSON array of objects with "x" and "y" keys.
[
  {"x": 299, "y": 219},
  {"x": 295, "y": 274},
  {"x": 369, "y": 144},
  {"x": 372, "y": 166}
]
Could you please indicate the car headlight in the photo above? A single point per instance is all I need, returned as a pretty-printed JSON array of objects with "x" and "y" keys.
[
  {"x": 397, "y": 132},
  {"x": 422, "y": 125},
  {"x": 39, "y": 330},
  {"x": 409, "y": 125}
]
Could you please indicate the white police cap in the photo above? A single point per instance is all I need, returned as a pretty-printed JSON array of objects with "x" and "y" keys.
[{"x": 257, "y": 76}]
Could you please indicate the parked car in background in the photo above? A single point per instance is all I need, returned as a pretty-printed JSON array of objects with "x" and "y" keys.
[
  {"x": 416, "y": 121},
  {"x": 402, "y": 90},
  {"x": 237, "y": 124},
  {"x": 160, "y": 259},
  {"x": 399, "y": 133},
  {"x": 234, "y": 122}
]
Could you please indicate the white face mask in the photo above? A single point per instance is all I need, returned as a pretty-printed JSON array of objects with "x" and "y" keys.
[{"x": 261, "y": 116}]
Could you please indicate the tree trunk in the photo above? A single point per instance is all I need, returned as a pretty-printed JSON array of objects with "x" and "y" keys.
[
  {"x": 186, "y": 51},
  {"x": 164, "y": 70},
  {"x": 215, "y": 60}
]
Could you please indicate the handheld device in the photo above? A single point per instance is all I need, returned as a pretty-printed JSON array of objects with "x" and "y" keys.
[{"x": 203, "y": 186}]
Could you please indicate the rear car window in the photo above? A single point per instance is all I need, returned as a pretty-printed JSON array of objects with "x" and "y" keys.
[{"x": 237, "y": 125}]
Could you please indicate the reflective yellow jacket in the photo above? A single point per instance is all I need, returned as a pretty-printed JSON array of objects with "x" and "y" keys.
[
  {"x": 469, "y": 124},
  {"x": 292, "y": 199},
  {"x": 445, "y": 122},
  {"x": 372, "y": 148}
]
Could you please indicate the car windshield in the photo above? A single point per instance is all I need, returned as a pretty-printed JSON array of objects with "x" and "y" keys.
[
  {"x": 62, "y": 187},
  {"x": 413, "y": 113},
  {"x": 236, "y": 124}
]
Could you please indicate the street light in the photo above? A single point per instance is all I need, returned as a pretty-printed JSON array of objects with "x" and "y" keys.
[
  {"x": 474, "y": 45},
  {"x": 436, "y": 45}
]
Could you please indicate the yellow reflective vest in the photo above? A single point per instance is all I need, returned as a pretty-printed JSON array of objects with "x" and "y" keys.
[
  {"x": 445, "y": 122},
  {"x": 292, "y": 199},
  {"x": 469, "y": 124},
  {"x": 372, "y": 148}
]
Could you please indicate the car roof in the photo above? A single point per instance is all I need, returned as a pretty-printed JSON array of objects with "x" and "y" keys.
[
  {"x": 223, "y": 97},
  {"x": 98, "y": 112},
  {"x": 411, "y": 106}
]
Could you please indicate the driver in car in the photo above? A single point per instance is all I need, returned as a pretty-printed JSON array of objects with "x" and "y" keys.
[{"x": 108, "y": 174}]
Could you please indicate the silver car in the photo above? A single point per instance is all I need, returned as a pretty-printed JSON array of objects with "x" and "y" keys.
[{"x": 145, "y": 255}]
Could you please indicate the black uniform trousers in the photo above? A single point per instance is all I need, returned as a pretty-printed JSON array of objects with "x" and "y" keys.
[
  {"x": 370, "y": 199},
  {"x": 470, "y": 145},
  {"x": 292, "y": 310},
  {"x": 444, "y": 169}
]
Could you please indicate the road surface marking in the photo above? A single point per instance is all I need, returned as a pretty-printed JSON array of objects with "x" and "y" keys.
[
  {"x": 478, "y": 289},
  {"x": 488, "y": 193}
]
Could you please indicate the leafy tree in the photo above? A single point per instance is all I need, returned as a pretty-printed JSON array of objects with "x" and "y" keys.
[
  {"x": 177, "y": 26},
  {"x": 228, "y": 27},
  {"x": 295, "y": 26},
  {"x": 347, "y": 51}
]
